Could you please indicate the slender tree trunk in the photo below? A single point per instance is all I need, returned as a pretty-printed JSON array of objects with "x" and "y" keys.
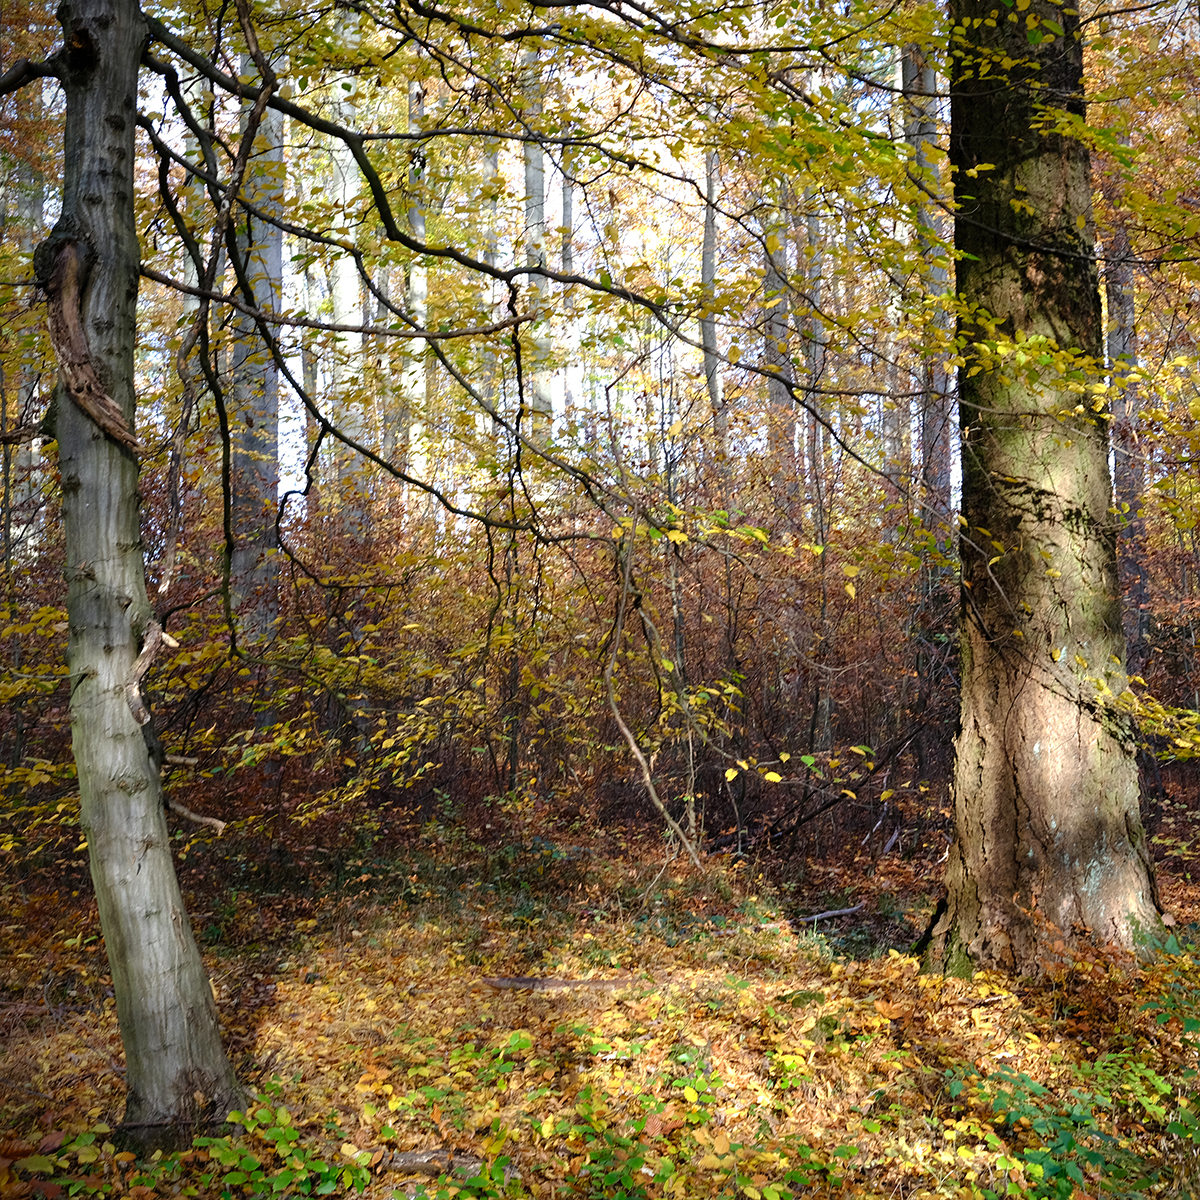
[
  {"x": 344, "y": 285},
  {"x": 537, "y": 380},
  {"x": 1049, "y": 841},
  {"x": 708, "y": 322},
  {"x": 918, "y": 82},
  {"x": 254, "y": 396},
  {"x": 1129, "y": 476},
  {"x": 490, "y": 386},
  {"x": 414, "y": 384},
  {"x": 776, "y": 354},
  {"x": 176, "y": 1068}
]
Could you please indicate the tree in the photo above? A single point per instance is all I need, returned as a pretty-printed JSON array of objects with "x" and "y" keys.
[
  {"x": 1049, "y": 839},
  {"x": 176, "y": 1068}
]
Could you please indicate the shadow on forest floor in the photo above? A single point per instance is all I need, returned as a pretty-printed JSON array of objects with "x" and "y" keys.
[{"x": 589, "y": 1019}]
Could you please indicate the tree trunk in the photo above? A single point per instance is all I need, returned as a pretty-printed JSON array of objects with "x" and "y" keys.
[
  {"x": 176, "y": 1068},
  {"x": 537, "y": 401},
  {"x": 254, "y": 396},
  {"x": 1049, "y": 841},
  {"x": 918, "y": 82},
  {"x": 1130, "y": 476},
  {"x": 708, "y": 322}
]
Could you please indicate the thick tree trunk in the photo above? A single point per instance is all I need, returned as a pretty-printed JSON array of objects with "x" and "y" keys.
[
  {"x": 176, "y": 1068},
  {"x": 1049, "y": 840}
]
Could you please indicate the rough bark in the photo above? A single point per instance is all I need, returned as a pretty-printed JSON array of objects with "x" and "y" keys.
[
  {"x": 1049, "y": 841},
  {"x": 176, "y": 1068}
]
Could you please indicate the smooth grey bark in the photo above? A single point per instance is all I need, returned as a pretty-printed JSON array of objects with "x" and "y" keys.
[
  {"x": 414, "y": 383},
  {"x": 537, "y": 379},
  {"x": 776, "y": 353},
  {"x": 23, "y": 521},
  {"x": 254, "y": 396},
  {"x": 490, "y": 190},
  {"x": 344, "y": 285},
  {"x": 176, "y": 1068},
  {"x": 1129, "y": 475},
  {"x": 708, "y": 321},
  {"x": 918, "y": 83},
  {"x": 1049, "y": 840}
]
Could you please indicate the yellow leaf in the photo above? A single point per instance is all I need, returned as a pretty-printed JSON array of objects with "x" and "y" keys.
[
  {"x": 731, "y": 774},
  {"x": 691, "y": 1095},
  {"x": 850, "y": 570},
  {"x": 773, "y": 777},
  {"x": 676, "y": 427},
  {"x": 850, "y": 591},
  {"x": 677, "y": 536},
  {"x": 547, "y": 1127},
  {"x": 784, "y": 756}
]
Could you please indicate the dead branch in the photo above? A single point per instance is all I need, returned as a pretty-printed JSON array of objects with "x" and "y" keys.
[
  {"x": 216, "y": 824},
  {"x": 71, "y": 348},
  {"x": 833, "y": 912}
]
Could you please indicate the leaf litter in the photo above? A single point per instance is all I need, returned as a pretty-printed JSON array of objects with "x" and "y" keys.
[{"x": 457, "y": 1038}]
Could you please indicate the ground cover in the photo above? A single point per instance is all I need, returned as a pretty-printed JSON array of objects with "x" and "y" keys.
[{"x": 591, "y": 1020}]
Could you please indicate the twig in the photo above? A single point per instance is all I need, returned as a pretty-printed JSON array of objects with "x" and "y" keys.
[
  {"x": 834, "y": 912},
  {"x": 626, "y": 732},
  {"x": 216, "y": 824}
]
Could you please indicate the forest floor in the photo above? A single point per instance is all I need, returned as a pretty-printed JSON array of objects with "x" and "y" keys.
[{"x": 580, "y": 1017}]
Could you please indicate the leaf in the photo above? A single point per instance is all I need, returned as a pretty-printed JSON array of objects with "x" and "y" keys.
[
  {"x": 772, "y": 777},
  {"x": 731, "y": 774},
  {"x": 850, "y": 591}
]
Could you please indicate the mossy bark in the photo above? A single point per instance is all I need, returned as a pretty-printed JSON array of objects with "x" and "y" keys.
[{"x": 1049, "y": 841}]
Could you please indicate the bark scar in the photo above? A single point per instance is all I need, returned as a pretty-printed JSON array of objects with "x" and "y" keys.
[{"x": 71, "y": 349}]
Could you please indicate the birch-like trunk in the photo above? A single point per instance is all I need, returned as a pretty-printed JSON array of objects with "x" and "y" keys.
[
  {"x": 1049, "y": 839},
  {"x": 176, "y": 1069}
]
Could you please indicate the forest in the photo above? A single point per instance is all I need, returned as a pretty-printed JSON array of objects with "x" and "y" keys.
[{"x": 599, "y": 599}]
